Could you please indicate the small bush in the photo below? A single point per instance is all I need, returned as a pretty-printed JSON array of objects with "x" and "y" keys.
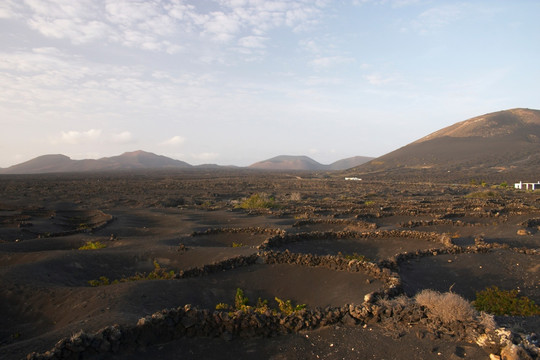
[
  {"x": 354, "y": 256},
  {"x": 241, "y": 304},
  {"x": 157, "y": 274},
  {"x": 258, "y": 201},
  {"x": 222, "y": 306},
  {"x": 505, "y": 302},
  {"x": 286, "y": 307},
  {"x": 100, "y": 282},
  {"x": 236, "y": 245},
  {"x": 369, "y": 202},
  {"x": 240, "y": 300},
  {"x": 482, "y": 195},
  {"x": 296, "y": 196},
  {"x": 448, "y": 307},
  {"x": 93, "y": 245}
]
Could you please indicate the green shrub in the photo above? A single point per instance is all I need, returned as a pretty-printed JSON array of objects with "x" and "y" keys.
[
  {"x": 286, "y": 307},
  {"x": 505, "y": 302},
  {"x": 157, "y": 274},
  {"x": 258, "y": 201},
  {"x": 354, "y": 256},
  {"x": 478, "y": 182},
  {"x": 93, "y": 245},
  {"x": 235, "y": 244},
  {"x": 369, "y": 202},
  {"x": 241, "y": 304},
  {"x": 262, "y": 306},
  {"x": 100, "y": 282},
  {"x": 222, "y": 306},
  {"x": 482, "y": 195},
  {"x": 240, "y": 300}
]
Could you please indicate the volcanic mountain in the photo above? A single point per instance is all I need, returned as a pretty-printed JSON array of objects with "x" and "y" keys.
[
  {"x": 502, "y": 141},
  {"x": 290, "y": 162},
  {"x": 128, "y": 161},
  {"x": 348, "y": 163}
]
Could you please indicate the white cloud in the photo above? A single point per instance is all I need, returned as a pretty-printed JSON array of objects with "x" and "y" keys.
[
  {"x": 9, "y": 9},
  {"x": 174, "y": 141},
  {"x": 330, "y": 61},
  {"x": 323, "y": 81},
  {"x": 79, "y": 21},
  {"x": 78, "y": 137},
  {"x": 377, "y": 79},
  {"x": 75, "y": 30},
  {"x": 122, "y": 138},
  {"x": 393, "y": 3},
  {"x": 256, "y": 42},
  {"x": 441, "y": 16},
  {"x": 168, "y": 26},
  {"x": 205, "y": 156}
]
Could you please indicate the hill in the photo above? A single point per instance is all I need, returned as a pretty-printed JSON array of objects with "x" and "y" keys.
[
  {"x": 499, "y": 142},
  {"x": 142, "y": 160},
  {"x": 291, "y": 162},
  {"x": 348, "y": 163},
  {"x": 136, "y": 160}
]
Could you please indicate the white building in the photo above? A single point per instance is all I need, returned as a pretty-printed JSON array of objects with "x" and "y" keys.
[{"x": 527, "y": 186}]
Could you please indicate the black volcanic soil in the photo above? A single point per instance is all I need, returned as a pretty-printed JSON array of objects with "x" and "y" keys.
[{"x": 191, "y": 219}]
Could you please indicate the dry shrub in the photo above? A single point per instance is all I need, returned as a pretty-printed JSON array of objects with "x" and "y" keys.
[
  {"x": 399, "y": 302},
  {"x": 487, "y": 321},
  {"x": 448, "y": 307},
  {"x": 296, "y": 196},
  {"x": 399, "y": 315}
]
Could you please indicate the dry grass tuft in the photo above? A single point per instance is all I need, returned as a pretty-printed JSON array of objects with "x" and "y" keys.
[{"x": 448, "y": 307}]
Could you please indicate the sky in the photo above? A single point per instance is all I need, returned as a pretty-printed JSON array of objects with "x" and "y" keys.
[{"x": 233, "y": 82}]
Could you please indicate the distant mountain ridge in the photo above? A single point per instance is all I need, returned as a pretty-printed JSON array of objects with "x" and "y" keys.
[
  {"x": 127, "y": 161},
  {"x": 142, "y": 160},
  {"x": 495, "y": 142},
  {"x": 301, "y": 162}
]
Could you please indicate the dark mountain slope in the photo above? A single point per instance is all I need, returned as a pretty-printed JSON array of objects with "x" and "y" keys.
[{"x": 497, "y": 143}]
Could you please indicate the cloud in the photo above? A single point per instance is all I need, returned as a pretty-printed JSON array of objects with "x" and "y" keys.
[
  {"x": 122, "y": 138},
  {"x": 439, "y": 16},
  {"x": 442, "y": 16},
  {"x": 377, "y": 79},
  {"x": 168, "y": 26},
  {"x": 92, "y": 137},
  {"x": 78, "y": 137},
  {"x": 256, "y": 42},
  {"x": 393, "y": 3},
  {"x": 330, "y": 61},
  {"x": 174, "y": 141},
  {"x": 205, "y": 156},
  {"x": 78, "y": 21},
  {"x": 9, "y": 9},
  {"x": 323, "y": 81}
]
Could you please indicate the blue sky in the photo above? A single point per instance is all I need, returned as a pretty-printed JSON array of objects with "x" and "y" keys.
[{"x": 238, "y": 81}]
